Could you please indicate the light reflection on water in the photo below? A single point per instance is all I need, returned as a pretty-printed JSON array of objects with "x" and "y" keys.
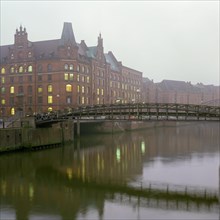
[{"x": 41, "y": 185}]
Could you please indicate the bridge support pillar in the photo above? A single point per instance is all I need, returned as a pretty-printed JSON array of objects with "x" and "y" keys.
[{"x": 78, "y": 127}]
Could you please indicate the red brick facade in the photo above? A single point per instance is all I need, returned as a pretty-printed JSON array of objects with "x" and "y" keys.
[{"x": 60, "y": 74}]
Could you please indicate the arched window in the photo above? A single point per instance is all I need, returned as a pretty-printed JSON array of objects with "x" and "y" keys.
[
  {"x": 69, "y": 88},
  {"x": 12, "y": 69},
  {"x": 30, "y": 69},
  {"x": 39, "y": 68},
  {"x": 20, "y": 69},
  {"x": 66, "y": 66},
  {"x": 3, "y": 70},
  {"x": 71, "y": 67},
  {"x": 3, "y": 101},
  {"x": 12, "y": 89},
  {"x": 49, "y": 88},
  {"x": 49, "y": 67},
  {"x": 12, "y": 111}
]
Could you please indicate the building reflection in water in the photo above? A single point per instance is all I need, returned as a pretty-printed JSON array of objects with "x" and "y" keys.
[{"x": 35, "y": 183}]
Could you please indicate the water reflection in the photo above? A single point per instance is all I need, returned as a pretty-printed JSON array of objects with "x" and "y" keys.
[{"x": 36, "y": 184}]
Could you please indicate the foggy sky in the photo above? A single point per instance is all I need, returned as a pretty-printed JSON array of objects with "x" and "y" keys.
[{"x": 176, "y": 40}]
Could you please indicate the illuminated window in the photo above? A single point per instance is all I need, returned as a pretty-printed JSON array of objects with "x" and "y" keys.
[
  {"x": 66, "y": 76},
  {"x": 77, "y": 77},
  {"x": 71, "y": 76},
  {"x": 98, "y": 101},
  {"x": 71, "y": 66},
  {"x": 20, "y": 69},
  {"x": 30, "y": 69},
  {"x": 66, "y": 66},
  {"x": 12, "y": 111},
  {"x": 68, "y": 88},
  {"x": 3, "y": 70},
  {"x": 83, "y": 100},
  {"x": 3, "y": 101},
  {"x": 78, "y": 88},
  {"x": 3, "y": 90},
  {"x": 49, "y": 88},
  {"x": 87, "y": 79},
  {"x": 12, "y": 89},
  {"x": 12, "y": 69},
  {"x": 83, "y": 69},
  {"x": 50, "y": 99},
  {"x": 50, "y": 109},
  {"x": 102, "y": 91},
  {"x": 83, "y": 79},
  {"x": 98, "y": 91},
  {"x": 3, "y": 80},
  {"x": 83, "y": 89}
]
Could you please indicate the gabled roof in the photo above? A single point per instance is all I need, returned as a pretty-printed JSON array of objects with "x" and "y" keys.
[
  {"x": 177, "y": 86},
  {"x": 110, "y": 58}
]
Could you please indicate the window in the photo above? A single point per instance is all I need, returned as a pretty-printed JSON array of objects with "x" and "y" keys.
[
  {"x": 12, "y": 56},
  {"x": 49, "y": 88},
  {"x": 83, "y": 89},
  {"x": 30, "y": 78},
  {"x": 66, "y": 76},
  {"x": 87, "y": 70},
  {"x": 98, "y": 102},
  {"x": 98, "y": 91},
  {"x": 12, "y": 69},
  {"x": 20, "y": 79},
  {"x": 30, "y": 100},
  {"x": 3, "y": 70},
  {"x": 49, "y": 67},
  {"x": 29, "y": 55},
  {"x": 66, "y": 66},
  {"x": 71, "y": 67},
  {"x": 3, "y": 101},
  {"x": 20, "y": 89},
  {"x": 40, "y": 99},
  {"x": 87, "y": 79},
  {"x": 102, "y": 91},
  {"x": 68, "y": 88},
  {"x": 11, "y": 100},
  {"x": 71, "y": 76},
  {"x": 20, "y": 69},
  {"x": 69, "y": 100},
  {"x": 12, "y": 89},
  {"x": 83, "y": 69},
  {"x": 83, "y": 100},
  {"x": 39, "y": 68},
  {"x": 49, "y": 77},
  {"x": 40, "y": 78},
  {"x": 83, "y": 78},
  {"x": 78, "y": 88},
  {"x": 3, "y": 80},
  {"x": 12, "y": 111},
  {"x": 77, "y": 77},
  {"x": 39, "y": 89},
  {"x": 29, "y": 90},
  {"x": 50, "y": 99},
  {"x": 3, "y": 90},
  {"x": 78, "y": 68},
  {"x": 30, "y": 69}
]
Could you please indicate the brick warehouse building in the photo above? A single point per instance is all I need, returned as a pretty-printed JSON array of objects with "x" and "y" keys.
[{"x": 60, "y": 74}]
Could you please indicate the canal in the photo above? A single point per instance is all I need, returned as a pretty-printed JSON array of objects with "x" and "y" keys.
[{"x": 80, "y": 180}]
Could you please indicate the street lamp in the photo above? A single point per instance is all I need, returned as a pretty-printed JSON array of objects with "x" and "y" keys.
[{"x": 138, "y": 94}]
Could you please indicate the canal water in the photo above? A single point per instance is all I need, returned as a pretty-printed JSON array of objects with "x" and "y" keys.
[{"x": 78, "y": 180}]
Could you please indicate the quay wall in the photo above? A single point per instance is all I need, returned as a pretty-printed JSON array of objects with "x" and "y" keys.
[{"x": 28, "y": 137}]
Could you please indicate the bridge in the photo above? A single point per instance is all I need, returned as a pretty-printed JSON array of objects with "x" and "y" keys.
[{"x": 134, "y": 111}]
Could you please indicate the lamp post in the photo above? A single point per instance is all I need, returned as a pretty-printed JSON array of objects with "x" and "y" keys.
[{"x": 138, "y": 94}]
